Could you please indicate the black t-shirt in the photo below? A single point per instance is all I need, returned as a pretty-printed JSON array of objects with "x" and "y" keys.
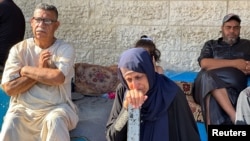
[
  {"x": 221, "y": 50},
  {"x": 12, "y": 27}
]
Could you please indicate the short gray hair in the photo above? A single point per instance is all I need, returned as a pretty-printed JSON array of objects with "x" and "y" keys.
[{"x": 48, "y": 7}]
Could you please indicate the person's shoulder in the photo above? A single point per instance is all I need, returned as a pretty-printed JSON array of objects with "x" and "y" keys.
[
  {"x": 120, "y": 89},
  {"x": 212, "y": 40},
  {"x": 63, "y": 43},
  {"x": 3, "y": 6},
  {"x": 64, "y": 46},
  {"x": 244, "y": 40},
  {"x": 22, "y": 45},
  {"x": 25, "y": 42},
  {"x": 8, "y": 5}
]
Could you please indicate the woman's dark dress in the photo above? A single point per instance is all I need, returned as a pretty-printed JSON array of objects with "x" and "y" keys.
[{"x": 181, "y": 121}]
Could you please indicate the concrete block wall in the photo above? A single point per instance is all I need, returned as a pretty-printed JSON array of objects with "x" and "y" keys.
[{"x": 100, "y": 30}]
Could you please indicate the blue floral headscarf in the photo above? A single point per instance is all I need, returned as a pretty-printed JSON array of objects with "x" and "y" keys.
[{"x": 162, "y": 90}]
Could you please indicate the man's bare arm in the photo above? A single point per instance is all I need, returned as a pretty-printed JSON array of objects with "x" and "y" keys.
[
  {"x": 31, "y": 75},
  {"x": 209, "y": 63},
  {"x": 49, "y": 76},
  {"x": 18, "y": 85}
]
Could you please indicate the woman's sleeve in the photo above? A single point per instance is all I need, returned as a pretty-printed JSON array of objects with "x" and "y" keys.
[{"x": 116, "y": 127}]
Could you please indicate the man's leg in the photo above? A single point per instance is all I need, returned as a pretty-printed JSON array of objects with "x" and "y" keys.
[
  {"x": 207, "y": 99},
  {"x": 223, "y": 100},
  {"x": 55, "y": 128}
]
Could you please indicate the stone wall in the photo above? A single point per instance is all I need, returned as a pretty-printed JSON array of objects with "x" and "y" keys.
[{"x": 100, "y": 30}]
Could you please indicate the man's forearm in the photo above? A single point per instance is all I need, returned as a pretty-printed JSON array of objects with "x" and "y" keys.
[
  {"x": 18, "y": 85},
  {"x": 47, "y": 76},
  {"x": 209, "y": 63}
]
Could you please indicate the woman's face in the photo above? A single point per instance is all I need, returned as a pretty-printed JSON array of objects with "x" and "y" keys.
[{"x": 136, "y": 80}]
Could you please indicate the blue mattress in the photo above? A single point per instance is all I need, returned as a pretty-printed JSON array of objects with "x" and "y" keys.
[
  {"x": 3, "y": 105},
  {"x": 202, "y": 131},
  {"x": 187, "y": 76}
]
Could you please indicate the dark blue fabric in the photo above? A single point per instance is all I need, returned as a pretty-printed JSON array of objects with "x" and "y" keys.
[{"x": 154, "y": 112}]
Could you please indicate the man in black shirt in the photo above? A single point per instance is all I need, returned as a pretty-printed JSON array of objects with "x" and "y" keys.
[
  {"x": 224, "y": 68},
  {"x": 12, "y": 28}
]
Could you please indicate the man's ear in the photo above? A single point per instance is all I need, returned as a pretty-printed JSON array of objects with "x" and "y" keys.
[{"x": 57, "y": 24}]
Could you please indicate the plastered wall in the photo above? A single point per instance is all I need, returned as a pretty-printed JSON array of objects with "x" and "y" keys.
[{"x": 100, "y": 30}]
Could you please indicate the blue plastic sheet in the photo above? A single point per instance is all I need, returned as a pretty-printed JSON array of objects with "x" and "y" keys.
[{"x": 4, "y": 104}]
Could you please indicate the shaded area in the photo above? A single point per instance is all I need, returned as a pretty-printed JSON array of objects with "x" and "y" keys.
[{"x": 93, "y": 115}]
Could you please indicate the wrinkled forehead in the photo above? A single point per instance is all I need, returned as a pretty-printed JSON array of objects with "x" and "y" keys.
[{"x": 125, "y": 71}]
